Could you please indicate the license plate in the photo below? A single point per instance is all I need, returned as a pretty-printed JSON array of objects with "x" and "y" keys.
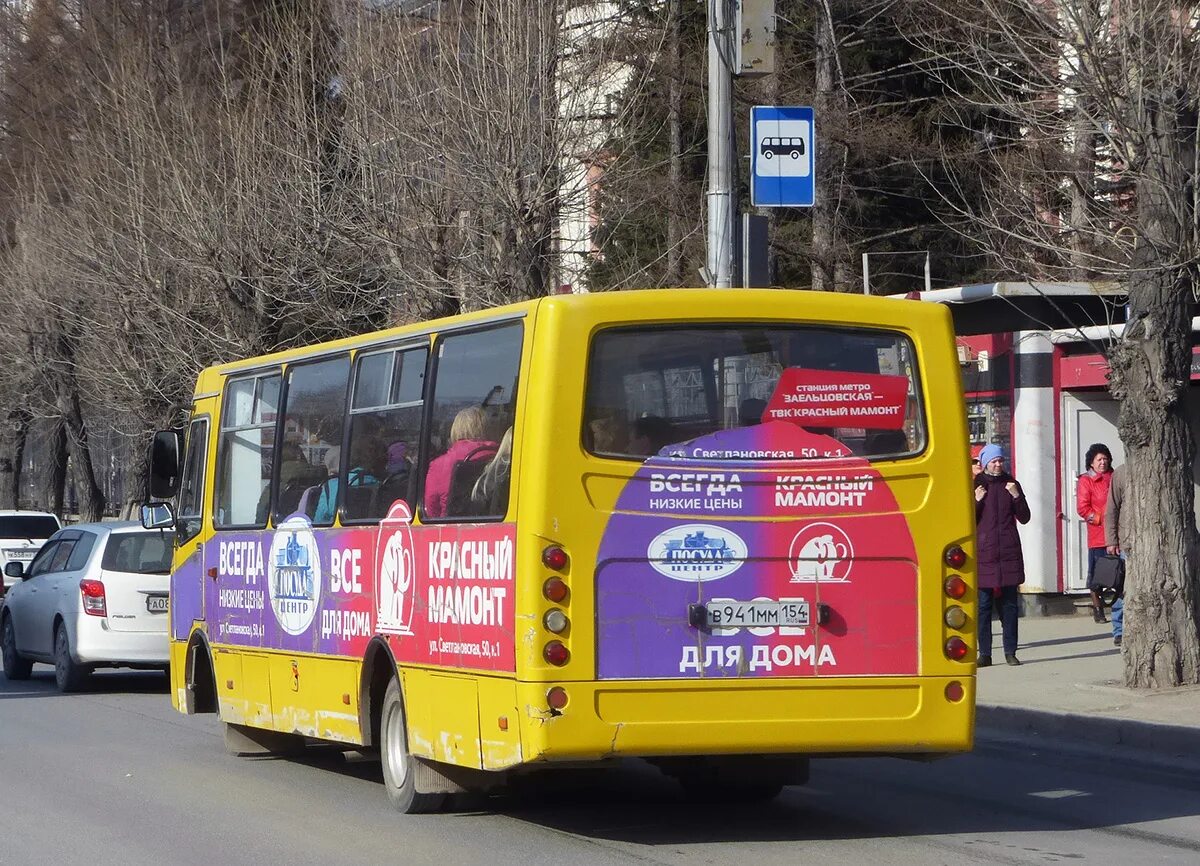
[
  {"x": 20, "y": 554},
  {"x": 751, "y": 614},
  {"x": 156, "y": 603}
]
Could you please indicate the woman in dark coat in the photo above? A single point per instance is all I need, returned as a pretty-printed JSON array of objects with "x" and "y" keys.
[{"x": 999, "y": 505}]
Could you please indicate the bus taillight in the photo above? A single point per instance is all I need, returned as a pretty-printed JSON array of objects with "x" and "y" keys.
[
  {"x": 556, "y": 653},
  {"x": 555, "y": 589},
  {"x": 555, "y": 557},
  {"x": 957, "y": 649},
  {"x": 555, "y": 620},
  {"x": 955, "y": 556},
  {"x": 955, "y": 617},
  {"x": 955, "y": 586},
  {"x": 556, "y": 698}
]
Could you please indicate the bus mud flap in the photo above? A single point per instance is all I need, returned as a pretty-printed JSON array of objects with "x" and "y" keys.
[{"x": 434, "y": 777}]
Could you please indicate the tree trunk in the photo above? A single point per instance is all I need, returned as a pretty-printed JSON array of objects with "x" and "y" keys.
[
  {"x": 91, "y": 496},
  {"x": 674, "y": 274},
  {"x": 1151, "y": 372},
  {"x": 54, "y": 475},
  {"x": 772, "y": 213},
  {"x": 12, "y": 453},
  {"x": 1083, "y": 181},
  {"x": 826, "y": 240}
]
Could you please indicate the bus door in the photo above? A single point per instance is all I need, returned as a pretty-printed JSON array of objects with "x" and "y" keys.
[{"x": 189, "y": 574}]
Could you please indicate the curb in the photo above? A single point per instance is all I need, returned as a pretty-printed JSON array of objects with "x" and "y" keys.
[{"x": 1163, "y": 740}]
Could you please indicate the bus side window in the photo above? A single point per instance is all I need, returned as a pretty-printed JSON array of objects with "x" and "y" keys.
[
  {"x": 385, "y": 432},
  {"x": 313, "y": 421},
  {"x": 245, "y": 452},
  {"x": 474, "y": 398},
  {"x": 191, "y": 490}
]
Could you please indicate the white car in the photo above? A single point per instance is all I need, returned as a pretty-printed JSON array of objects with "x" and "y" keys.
[
  {"x": 94, "y": 596},
  {"x": 22, "y": 533}
]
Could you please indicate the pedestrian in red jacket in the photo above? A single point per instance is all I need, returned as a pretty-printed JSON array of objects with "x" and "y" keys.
[
  {"x": 1091, "y": 495},
  {"x": 999, "y": 505}
]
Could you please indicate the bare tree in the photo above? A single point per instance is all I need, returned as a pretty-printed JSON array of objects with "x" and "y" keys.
[{"x": 1087, "y": 110}]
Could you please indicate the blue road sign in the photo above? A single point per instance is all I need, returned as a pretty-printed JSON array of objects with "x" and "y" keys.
[{"x": 781, "y": 158}]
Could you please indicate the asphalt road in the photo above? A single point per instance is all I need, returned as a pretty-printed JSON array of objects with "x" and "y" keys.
[{"x": 114, "y": 775}]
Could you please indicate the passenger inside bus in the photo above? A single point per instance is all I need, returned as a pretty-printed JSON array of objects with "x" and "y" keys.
[
  {"x": 489, "y": 495},
  {"x": 367, "y": 461},
  {"x": 469, "y": 443},
  {"x": 650, "y": 434},
  {"x": 750, "y": 411},
  {"x": 296, "y": 475},
  {"x": 398, "y": 480},
  {"x": 609, "y": 434}
]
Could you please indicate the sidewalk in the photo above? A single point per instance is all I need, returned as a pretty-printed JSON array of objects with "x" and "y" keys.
[{"x": 1068, "y": 688}]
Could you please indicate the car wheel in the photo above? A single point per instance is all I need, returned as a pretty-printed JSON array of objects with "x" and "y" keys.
[
  {"x": 15, "y": 667},
  {"x": 399, "y": 776},
  {"x": 68, "y": 673}
]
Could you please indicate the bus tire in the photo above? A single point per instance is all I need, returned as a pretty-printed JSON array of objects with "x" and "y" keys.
[
  {"x": 747, "y": 779},
  {"x": 399, "y": 766},
  {"x": 702, "y": 790},
  {"x": 243, "y": 741}
]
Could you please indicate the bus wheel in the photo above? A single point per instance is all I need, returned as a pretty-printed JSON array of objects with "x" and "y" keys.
[
  {"x": 400, "y": 767},
  {"x": 702, "y": 790},
  {"x": 750, "y": 779},
  {"x": 243, "y": 741}
]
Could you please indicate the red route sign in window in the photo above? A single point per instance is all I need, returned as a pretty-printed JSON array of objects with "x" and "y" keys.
[{"x": 827, "y": 398}]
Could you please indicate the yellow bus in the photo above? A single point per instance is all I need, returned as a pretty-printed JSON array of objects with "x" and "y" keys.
[{"x": 723, "y": 531}]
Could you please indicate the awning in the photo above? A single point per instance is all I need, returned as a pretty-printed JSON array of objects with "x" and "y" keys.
[{"x": 987, "y": 308}]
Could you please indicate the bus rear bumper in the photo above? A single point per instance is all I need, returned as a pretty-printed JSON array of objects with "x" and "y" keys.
[{"x": 901, "y": 716}]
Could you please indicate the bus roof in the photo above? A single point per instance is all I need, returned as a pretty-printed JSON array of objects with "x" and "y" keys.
[{"x": 621, "y": 306}]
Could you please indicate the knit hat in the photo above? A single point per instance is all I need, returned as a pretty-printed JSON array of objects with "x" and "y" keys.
[
  {"x": 989, "y": 453},
  {"x": 395, "y": 456}
]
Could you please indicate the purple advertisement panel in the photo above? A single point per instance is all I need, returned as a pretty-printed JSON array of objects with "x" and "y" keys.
[
  {"x": 781, "y": 534},
  {"x": 441, "y": 595}
]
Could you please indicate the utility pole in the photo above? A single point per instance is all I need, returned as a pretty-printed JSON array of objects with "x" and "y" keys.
[{"x": 722, "y": 165}]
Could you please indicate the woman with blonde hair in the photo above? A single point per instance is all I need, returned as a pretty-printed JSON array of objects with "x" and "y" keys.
[{"x": 468, "y": 442}]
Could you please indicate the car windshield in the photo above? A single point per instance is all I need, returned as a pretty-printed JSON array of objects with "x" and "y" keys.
[
  {"x": 27, "y": 526},
  {"x": 653, "y": 387},
  {"x": 138, "y": 553}
]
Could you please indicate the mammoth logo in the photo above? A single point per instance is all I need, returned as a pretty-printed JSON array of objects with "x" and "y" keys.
[
  {"x": 397, "y": 571},
  {"x": 821, "y": 553}
]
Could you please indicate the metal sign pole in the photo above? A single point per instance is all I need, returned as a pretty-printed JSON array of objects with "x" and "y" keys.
[{"x": 720, "y": 151}]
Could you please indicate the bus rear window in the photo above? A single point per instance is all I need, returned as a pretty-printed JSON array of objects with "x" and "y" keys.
[{"x": 653, "y": 387}]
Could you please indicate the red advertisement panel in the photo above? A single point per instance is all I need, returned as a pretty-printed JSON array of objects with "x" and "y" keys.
[
  {"x": 825, "y": 398},
  {"x": 447, "y": 593}
]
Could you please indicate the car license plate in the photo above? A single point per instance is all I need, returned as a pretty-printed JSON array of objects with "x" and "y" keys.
[
  {"x": 20, "y": 554},
  {"x": 156, "y": 603},
  {"x": 752, "y": 614}
]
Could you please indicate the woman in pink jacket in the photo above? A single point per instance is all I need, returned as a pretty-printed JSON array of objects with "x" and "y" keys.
[
  {"x": 1091, "y": 495},
  {"x": 467, "y": 442}
]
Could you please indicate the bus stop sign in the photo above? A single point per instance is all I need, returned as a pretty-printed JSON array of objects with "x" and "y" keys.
[{"x": 781, "y": 158}]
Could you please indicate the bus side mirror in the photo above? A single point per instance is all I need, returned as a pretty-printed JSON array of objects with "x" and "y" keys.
[
  {"x": 158, "y": 515},
  {"x": 165, "y": 451}
]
